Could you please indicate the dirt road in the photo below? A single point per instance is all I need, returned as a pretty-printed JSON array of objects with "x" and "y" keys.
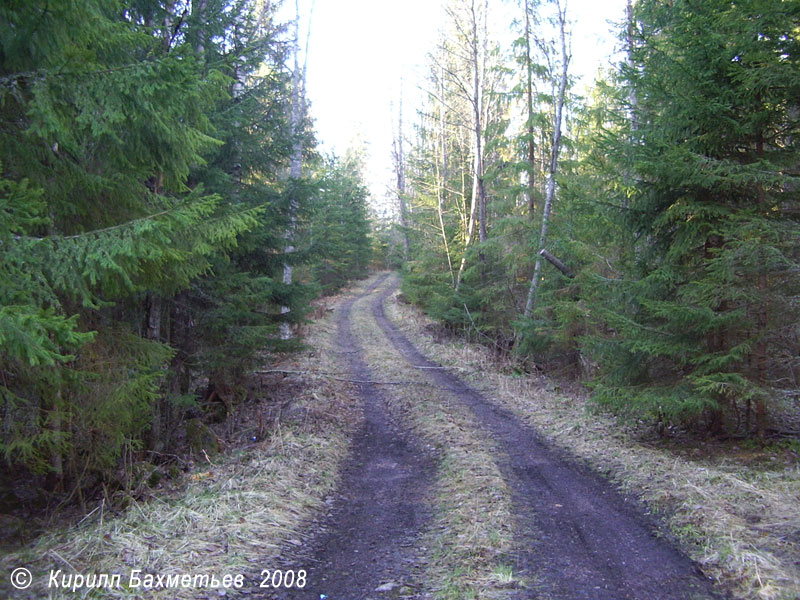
[
  {"x": 575, "y": 536},
  {"x": 369, "y": 538}
]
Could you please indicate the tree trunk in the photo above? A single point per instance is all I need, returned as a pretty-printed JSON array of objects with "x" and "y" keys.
[
  {"x": 295, "y": 166},
  {"x": 716, "y": 342},
  {"x": 633, "y": 101},
  {"x": 57, "y": 425},
  {"x": 478, "y": 201},
  {"x": 400, "y": 167},
  {"x": 530, "y": 131},
  {"x": 762, "y": 319},
  {"x": 553, "y": 167},
  {"x": 473, "y": 214},
  {"x": 632, "y": 98},
  {"x": 180, "y": 376},
  {"x": 442, "y": 177},
  {"x": 558, "y": 264},
  {"x": 154, "y": 304},
  {"x": 198, "y": 12},
  {"x": 166, "y": 34},
  {"x": 478, "y": 67},
  {"x": 153, "y": 332}
]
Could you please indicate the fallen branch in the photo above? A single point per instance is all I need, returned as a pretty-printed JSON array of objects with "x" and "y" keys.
[
  {"x": 557, "y": 263},
  {"x": 346, "y": 379},
  {"x": 289, "y": 372}
]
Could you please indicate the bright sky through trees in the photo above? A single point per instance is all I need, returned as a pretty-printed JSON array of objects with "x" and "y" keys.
[{"x": 359, "y": 51}]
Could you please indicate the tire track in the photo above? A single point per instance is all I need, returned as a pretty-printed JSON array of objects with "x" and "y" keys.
[
  {"x": 578, "y": 536},
  {"x": 369, "y": 537}
]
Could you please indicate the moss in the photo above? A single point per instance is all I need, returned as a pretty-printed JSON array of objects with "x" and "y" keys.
[
  {"x": 156, "y": 475},
  {"x": 200, "y": 437}
]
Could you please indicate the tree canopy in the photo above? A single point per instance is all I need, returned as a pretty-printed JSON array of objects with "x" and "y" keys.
[
  {"x": 671, "y": 219},
  {"x": 145, "y": 200}
]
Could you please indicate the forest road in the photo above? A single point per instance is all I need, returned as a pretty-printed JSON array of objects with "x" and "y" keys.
[
  {"x": 576, "y": 537},
  {"x": 369, "y": 538}
]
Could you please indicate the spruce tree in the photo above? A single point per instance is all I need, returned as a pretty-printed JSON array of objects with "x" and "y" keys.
[
  {"x": 706, "y": 311},
  {"x": 339, "y": 230},
  {"x": 105, "y": 114}
]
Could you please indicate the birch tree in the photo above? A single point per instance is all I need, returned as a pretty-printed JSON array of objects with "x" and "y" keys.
[
  {"x": 469, "y": 21},
  {"x": 529, "y": 109},
  {"x": 442, "y": 174},
  {"x": 558, "y": 108},
  {"x": 398, "y": 156},
  {"x": 296, "y": 163}
]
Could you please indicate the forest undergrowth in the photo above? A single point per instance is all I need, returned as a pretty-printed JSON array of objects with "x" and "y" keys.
[{"x": 234, "y": 513}]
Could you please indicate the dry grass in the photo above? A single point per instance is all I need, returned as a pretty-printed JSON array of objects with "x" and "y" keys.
[
  {"x": 739, "y": 522},
  {"x": 231, "y": 517},
  {"x": 470, "y": 534}
]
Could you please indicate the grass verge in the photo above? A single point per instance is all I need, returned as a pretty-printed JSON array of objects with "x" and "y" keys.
[
  {"x": 232, "y": 516},
  {"x": 740, "y": 522},
  {"x": 469, "y": 539}
]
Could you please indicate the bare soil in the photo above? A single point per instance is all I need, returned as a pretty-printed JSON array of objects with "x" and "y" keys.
[{"x": 369, "y": 538}]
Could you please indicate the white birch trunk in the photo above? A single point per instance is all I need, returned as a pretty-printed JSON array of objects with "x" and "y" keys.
[
  {"x": 295, "y": 165},
  {"x": 442, "y": 177},
  {"x": 529, "y": 129},
  {"x": 632, "y": 98},
  {"x": 169, "y": 15},
  {"x": 553, "y": 166},
  {"x": 400, "y": 171},
  {"x": 198, "y": 11},
  {"x": 479, "y": 68},
  {"x": 473, "y": 215},
  {"x": 478, "y": 200}
]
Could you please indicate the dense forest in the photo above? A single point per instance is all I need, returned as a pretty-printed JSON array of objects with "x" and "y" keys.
[
  {"x": 165, "y": 221},
  {"x": 166, "y": 218},
  {"x": 579, "y": 379},
  {"x": 643, "y": 235}
]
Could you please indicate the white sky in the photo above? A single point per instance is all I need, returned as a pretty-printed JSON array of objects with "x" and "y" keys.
[{"x": 360, "y": 50}]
